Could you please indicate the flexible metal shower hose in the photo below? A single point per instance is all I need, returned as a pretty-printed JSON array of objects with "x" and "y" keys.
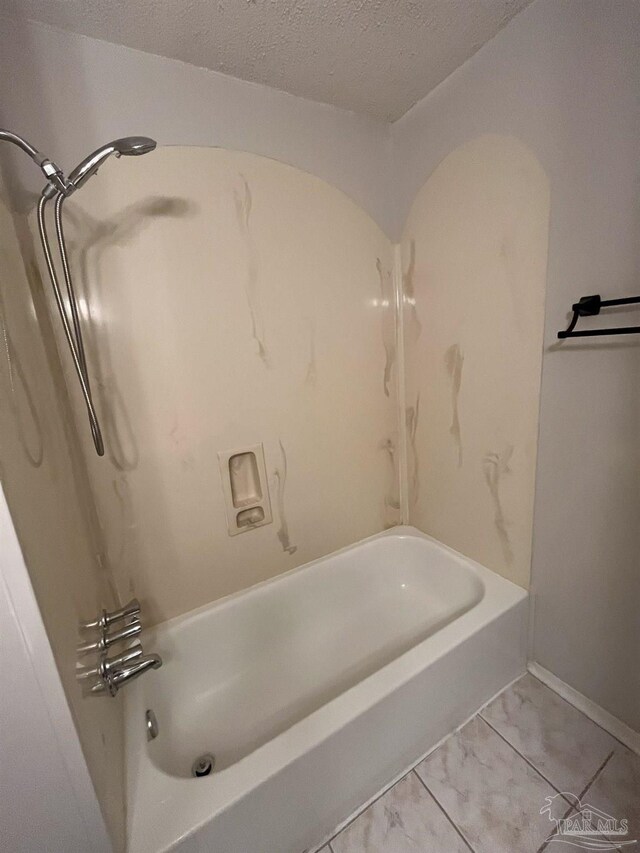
[{"x": 74, "y": 337}]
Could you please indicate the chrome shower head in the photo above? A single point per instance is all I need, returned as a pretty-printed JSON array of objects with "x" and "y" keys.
[
  {"x": 127, "y": 147},
  {"x": 134, "y": 145}
]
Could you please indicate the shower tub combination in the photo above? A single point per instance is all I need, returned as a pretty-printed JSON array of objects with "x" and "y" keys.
[{"x": 312, "y": 691}]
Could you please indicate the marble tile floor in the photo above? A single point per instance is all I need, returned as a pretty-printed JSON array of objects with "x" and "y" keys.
[{"x": 498, "y": 785}]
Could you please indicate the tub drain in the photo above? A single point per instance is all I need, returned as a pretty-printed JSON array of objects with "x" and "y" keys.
[{"x": 203, "y": 765}]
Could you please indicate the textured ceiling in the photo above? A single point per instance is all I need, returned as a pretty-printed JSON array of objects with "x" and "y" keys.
[{"x": 372, "y": 56}]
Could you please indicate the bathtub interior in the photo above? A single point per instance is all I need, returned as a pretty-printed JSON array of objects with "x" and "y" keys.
[{"x": 241, "y": 672}]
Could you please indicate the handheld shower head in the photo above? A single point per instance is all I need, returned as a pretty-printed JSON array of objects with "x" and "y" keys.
[{"x": 129, "y": 146}]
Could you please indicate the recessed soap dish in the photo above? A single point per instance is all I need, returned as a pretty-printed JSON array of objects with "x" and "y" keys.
[
  {"x": 245, "y": 487},
  {"x": 250, "y": 517},
  {"x": 245, "y": 479}
]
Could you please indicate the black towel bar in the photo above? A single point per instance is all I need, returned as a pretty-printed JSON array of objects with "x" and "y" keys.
[{"x": 589, "y": 306}]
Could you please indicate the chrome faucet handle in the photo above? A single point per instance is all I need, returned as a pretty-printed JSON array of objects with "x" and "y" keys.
[
  {"x": 108, "y": 640},
  {"x": 107, "y": 664},
  {"x": 129, "y": 610},
  {"x": 107, "y": 618},
  {"x": 112, "y": 681},
  {"x": 110, "y": 664}
]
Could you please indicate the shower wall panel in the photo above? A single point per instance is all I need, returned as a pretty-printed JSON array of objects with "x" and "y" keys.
[
  {"x": 229, "y": 300},
  {"x": 474, "y": 275}
]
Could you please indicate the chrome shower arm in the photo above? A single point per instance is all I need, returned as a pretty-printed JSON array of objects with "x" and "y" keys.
[{"x": 36, "y": 156}]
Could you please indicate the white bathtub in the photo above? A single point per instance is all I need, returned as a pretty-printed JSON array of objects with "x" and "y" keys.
[{"x": 312, "y": 691}]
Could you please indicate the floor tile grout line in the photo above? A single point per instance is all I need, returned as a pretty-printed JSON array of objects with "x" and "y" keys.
[
  {"x": 580, "y": 796},
  {"x": 523, "y": 757},
  {"x": 550, "y": 838},
  {"x": 594, "y": 778},
  {"x": 442, "y": 809},
  {"x": 359, "y": 812},
  {"x": 597, "y": 773},
  {"x": 555, "y": 692}
]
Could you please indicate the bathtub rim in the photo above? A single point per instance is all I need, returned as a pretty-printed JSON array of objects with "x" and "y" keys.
[
  {"x": 404, "y": 531},
  {"x": 155, "y": 792}
]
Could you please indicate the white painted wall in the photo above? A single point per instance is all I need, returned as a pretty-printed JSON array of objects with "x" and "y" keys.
[
  {"x": 69, "y": 94},
  {"x": 564, "y": 78},
  {"x": 47, "y": 800}
]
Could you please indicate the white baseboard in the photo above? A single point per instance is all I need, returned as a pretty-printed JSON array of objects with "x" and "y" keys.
[{"x": 607, "y": 721}]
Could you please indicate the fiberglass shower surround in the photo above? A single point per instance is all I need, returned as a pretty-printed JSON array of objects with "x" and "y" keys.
[{"x": 59, "y": 187}]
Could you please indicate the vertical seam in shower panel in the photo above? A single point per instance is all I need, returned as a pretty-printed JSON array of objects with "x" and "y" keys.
[{"x": 403, "y": 487}]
